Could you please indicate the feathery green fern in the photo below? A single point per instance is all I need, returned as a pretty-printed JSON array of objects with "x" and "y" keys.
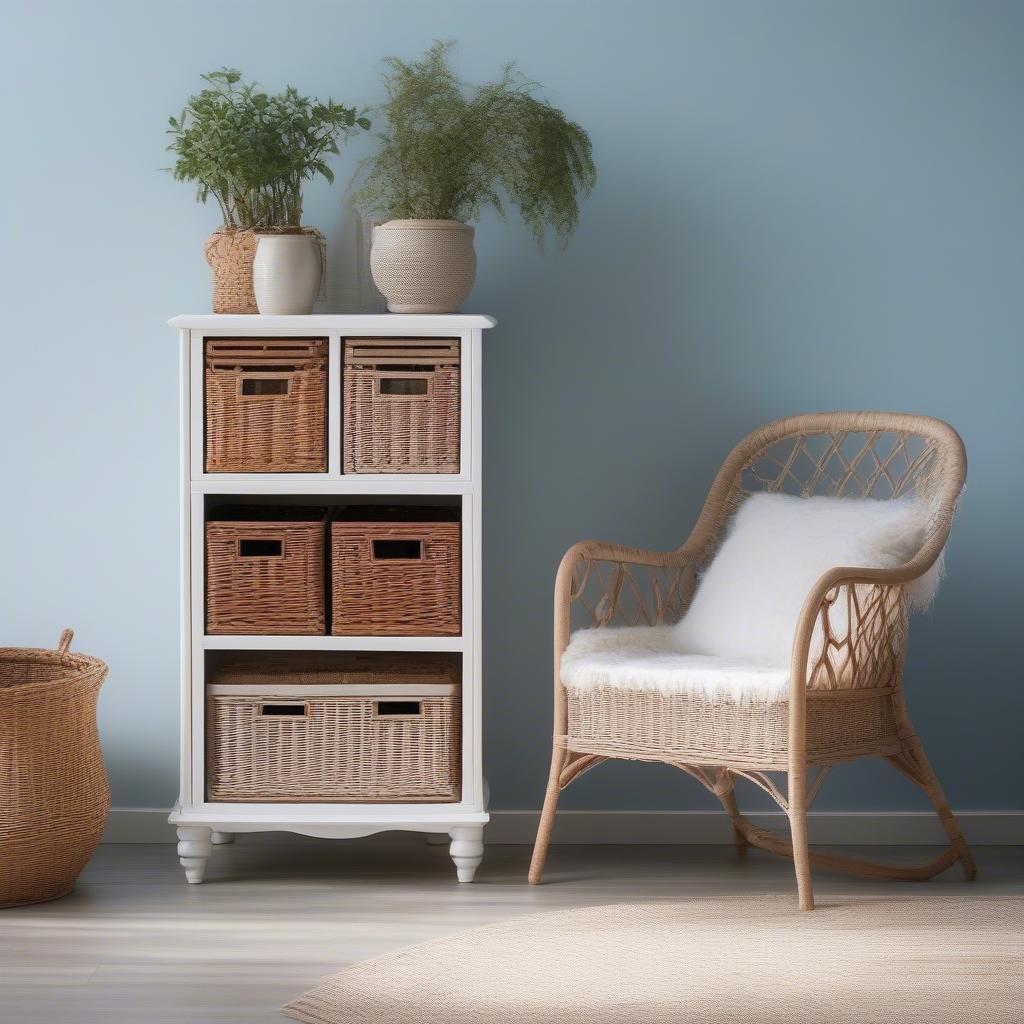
[{"x": 449, "y": 151}]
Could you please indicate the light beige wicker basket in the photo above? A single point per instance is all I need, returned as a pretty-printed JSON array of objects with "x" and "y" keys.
[
  {"x": 396, "y": 571},
  {"x": 333, "y": 727},
  {"x": 266, "y": 405},
  {"x": 265, "y": 570},
  {"x": 53, "y": 786},
  {"x": 401, "y": 405}
]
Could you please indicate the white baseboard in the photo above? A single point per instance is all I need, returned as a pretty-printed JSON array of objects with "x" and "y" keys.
[{"x": 834, "y": 828}]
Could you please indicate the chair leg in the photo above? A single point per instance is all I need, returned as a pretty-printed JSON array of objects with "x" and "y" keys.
[
  {"x": 547, "y": 818},
  {"x": 725, "y": 789},
  {"x": 920, "y": 770},
  {"x": 798, "y": 831}
]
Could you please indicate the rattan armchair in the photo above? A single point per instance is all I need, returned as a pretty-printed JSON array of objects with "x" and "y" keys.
[{"x": 845, "y": 698}]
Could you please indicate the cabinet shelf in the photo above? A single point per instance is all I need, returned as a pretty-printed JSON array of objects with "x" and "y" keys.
[
  {"x": 248, "y": 642},
  {"x": 328, "y": 484}
]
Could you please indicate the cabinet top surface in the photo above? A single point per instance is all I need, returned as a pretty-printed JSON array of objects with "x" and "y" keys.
[{"x": 405, "y": 322}]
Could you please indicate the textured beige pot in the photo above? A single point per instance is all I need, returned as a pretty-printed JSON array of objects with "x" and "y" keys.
[{"x": 423, "y": 266}]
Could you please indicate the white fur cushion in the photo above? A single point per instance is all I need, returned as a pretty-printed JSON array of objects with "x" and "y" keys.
[
  {"x": 775, "y": 549},
  {"x": 736, "y": 639},
  {"x": 650, "y": 658}
]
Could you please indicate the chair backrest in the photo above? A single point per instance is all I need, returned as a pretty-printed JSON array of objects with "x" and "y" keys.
[
  {"x": 862, "y": 454},
  {"x": 878, "y": 455},
  {"x": 862, "y": 640}
]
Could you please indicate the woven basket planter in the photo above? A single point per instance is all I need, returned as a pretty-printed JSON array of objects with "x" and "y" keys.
[
  {"x": 266, "y": 405},
  {"x": 401, "y": 405},
  {"x": 396, "y": 571},
  {"x": 333, "y": 727},
  {"x": 265, "y": 571},
  {"x": 54, "y": 797},
  {"x": 423, "y": 266},
  {"x": 230, "y": 255}
]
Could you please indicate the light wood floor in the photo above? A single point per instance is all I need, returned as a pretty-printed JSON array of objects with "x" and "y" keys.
[{"x": 135, "y": 943}]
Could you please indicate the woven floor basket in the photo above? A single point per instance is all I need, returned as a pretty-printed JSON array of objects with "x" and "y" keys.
[
  {"x": 650, "y": 724},
  {"x": 266, "y": 405},
  {"x": 396, "y": 572},
  {"x": 289, "y": 726},
  {"x": 265, "y": 570},
  {"x": 53, "y": 786},
  {"x": 401, "y": 405}
]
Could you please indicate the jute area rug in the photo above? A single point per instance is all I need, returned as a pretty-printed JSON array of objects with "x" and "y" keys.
[{"x": 713, "y": 961}]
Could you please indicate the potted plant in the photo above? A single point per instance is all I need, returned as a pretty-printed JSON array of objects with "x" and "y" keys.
[
  {"x": 448, "y": 151},
  {"x": 252, "y": 152}
]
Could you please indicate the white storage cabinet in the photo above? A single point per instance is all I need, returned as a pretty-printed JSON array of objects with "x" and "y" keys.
[{"x": 202, "y": 824}]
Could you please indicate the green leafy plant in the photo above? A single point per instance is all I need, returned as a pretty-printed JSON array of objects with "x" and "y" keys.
[
  {"x": 449, "y": 150},
  {"x": 251, "y": 152}
]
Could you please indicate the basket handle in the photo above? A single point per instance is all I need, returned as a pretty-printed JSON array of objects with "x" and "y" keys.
[
  {"x": 404, "y": 386},
  {"x": 396, "y": 549},
  {"x": 65, "y": 641},
  {"x": 398, "y": 708},
  {"x": 260, "y": 384}
]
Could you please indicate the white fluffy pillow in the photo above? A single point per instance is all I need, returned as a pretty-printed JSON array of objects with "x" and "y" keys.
[{"x": 775, "y": 549}]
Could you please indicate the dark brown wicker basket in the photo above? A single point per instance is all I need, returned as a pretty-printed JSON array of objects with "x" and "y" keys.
[
  {"x": 266, "y": 405},
  {"x": 290, "y": 726},
  {"x": 401, "y": 407},
  {"x": 265, "y": 570},
  {"x": 396, "y": 571}
]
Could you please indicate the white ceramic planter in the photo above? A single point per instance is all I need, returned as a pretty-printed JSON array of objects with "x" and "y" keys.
[
  {"x": 423, "y": 266},
  {"x": 286, "y": 273}
]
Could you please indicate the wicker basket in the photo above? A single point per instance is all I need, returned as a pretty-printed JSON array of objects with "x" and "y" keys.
[
  {"x": 396, "y": 571},
  {"x": 265, "y": 570},
  {"x": 53, "y": 786},
  {"x": 401, "y": 408},
  {"x": 266, "y": 405},
  {"x": 333, "y": 727}
]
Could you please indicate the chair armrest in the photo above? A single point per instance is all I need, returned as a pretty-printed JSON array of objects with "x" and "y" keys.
[
  {"x": 852, "y": 628},
  {"x": 613, "y": 584}
]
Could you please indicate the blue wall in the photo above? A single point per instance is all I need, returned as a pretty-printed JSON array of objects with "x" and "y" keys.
[{"x": 801, "y": 205}]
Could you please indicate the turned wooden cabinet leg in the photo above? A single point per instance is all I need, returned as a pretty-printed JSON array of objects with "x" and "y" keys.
[
  {"x": 194, "y": 849},
  {"x": 222, "y": 838},
  {"x": 467, "y": 850}
]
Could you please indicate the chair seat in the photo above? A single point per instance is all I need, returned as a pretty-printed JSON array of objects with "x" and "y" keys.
[
  {"x": 651, "y": 658},
  {"x": 633, "y": 692}
]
